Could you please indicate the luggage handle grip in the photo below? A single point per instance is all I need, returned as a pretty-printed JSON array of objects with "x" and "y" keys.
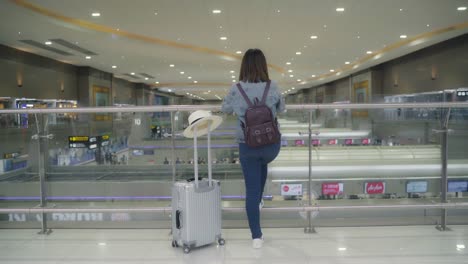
[
  {"x": 178, "y": 216},
  {"x": 193, "y": 179}
]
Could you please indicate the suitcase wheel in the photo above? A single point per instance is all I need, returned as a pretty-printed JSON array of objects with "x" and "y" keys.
[
  {"x": 186, "y": 249},
  {"x": 174, "y": 243},
  {"x": 221, "y": 242}
]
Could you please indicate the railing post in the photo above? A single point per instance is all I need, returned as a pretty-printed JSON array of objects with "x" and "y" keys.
[
  {"x": 309, "y": 228},
  {"x": 443, "y": 180},
  {"x": 42, "y": 141}
]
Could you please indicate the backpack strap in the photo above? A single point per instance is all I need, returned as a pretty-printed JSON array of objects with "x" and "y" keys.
[
  {"x": 244, "y": 95},
  {"x": 265, "y": 92}
]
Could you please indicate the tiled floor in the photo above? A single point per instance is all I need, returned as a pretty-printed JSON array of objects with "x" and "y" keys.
[{"x": 376, "y": 245}]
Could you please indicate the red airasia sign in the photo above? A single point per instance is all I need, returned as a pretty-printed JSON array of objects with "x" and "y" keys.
[
  {"x": 375, "y": 187},
  {"x": 334, "y": 188}
]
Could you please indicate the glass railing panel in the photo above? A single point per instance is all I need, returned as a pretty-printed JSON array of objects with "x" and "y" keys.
[
  {"x": 19, "y": 167},
  {"x": 360, "y": 157},
  {"x": 457, "y": 159}
]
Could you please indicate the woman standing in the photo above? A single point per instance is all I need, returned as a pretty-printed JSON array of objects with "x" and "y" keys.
[{"x": 253, "y": 79}]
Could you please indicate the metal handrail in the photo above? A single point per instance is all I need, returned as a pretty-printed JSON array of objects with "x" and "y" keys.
[
  {"x": 462, "y": 205},
  {"x": 175, "y": 108}
]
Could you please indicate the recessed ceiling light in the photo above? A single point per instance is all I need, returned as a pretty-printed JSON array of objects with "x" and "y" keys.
[
  {"x": 288, "y": 63},
  {"x": 347, "y": 62},
  {"x": 88, "y": 57},
  {"x": 358, "y": 37},
  {"x": 48, "y": 42},
  {"x": 190, "y": 77},
  {"x": 342, "y": 249},
  {"x": 314, "y": 37},
  {"x": 233, "y": 81},
  {"x": 146, "y": 78},
  {"x": 290, "y": 70},
  {"x": 155, "y": 13},
  {"x": 313, "y": 75},
  {"x": 299, "y": 80},
  {"x": 195, "y": 81},
  {"x": 187, "y": 93},
  {"x": 223, "y": 38},
  {"x": 428, "y": 25},
  {"x": 238, "y": 52},
  {"x": 102, "y": 244},
  {"x": 156, "y": 82},
  {"x": 132, "y": 73},
  {"x": 332, "y": 70},
  {"x": 403, "y": 36},
  {"x": 340, "y": 9},
  {"x": 233, "y": 76},
  {"x": 291, "y": 76},
  {"x": 369, "y": 52},
  {"x": 278, "y": 11},
  {"x": 114, "y": 67},
  {"x": 172, "y": 65},
  {"x": 19, "y": 32},
  {"x": 293, "y": 88},
  {"x": 461, "y": 8},
  {"x": 268, "y": 38},
  {"x": 96, "y": 14},
  {"x": 298, "y": 53},
  {"x": 216, "y": 11},
  {"x": 170, "y": 90},
  {"x": 401, "y": 9},
  {"x": 182, "y": 72},
  {"x": 231, "y": 71}
]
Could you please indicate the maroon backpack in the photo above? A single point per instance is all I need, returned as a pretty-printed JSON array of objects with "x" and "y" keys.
[{"x": 260, "y": 127}]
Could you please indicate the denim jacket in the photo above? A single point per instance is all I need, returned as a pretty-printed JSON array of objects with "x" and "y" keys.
[{"x": 235, "y": 103}]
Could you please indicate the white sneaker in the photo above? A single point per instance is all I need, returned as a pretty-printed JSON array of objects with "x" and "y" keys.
[
  {"x": 257, "y": 243},
  {"x": 262, "y": 203}
]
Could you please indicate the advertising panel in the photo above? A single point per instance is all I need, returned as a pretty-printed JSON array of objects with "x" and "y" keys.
[
  {"x": 315, "y": 142},
  {"x": 348, "y": 141},
  {"x": 332, "y": 141},
  {"x": 291, "y": 189},
  {"x": 457, "y": 186},
  {"x": 416, "y": 187},
  {"x": 334, "y": 188},
  {"x": 374, "y": 187},
  {"x": 299, "y": 142}
]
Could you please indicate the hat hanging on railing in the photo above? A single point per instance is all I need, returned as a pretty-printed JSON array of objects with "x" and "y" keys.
[{"x": 201, "y": 118}]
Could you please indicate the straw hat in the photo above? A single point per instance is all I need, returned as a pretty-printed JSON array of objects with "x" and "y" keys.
[{"x": 201, "y": 119}]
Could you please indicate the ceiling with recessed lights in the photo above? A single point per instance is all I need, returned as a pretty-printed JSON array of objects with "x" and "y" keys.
[{"x": 194, "y": 48}]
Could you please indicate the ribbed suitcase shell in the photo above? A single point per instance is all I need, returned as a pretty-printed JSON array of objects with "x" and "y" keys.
[{"x": 199, "y": 213}]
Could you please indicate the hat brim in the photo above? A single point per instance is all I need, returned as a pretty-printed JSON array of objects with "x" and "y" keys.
[{"x": 202, "y": 126}]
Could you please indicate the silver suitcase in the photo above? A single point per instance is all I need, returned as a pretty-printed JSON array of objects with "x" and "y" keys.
[{"x": 196, "y": 209}]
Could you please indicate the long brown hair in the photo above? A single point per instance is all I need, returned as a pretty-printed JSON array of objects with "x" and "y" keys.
[{"x": 254, "y": 67}]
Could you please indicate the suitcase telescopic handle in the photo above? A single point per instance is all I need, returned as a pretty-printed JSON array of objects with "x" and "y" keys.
[{"x": 195, "y": 155}]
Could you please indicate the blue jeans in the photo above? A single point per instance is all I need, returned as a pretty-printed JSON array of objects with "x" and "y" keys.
[{"x": 254, "y": 162}]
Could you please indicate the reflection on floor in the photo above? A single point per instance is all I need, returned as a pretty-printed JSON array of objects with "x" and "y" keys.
[{"x": 415, "y": 244}]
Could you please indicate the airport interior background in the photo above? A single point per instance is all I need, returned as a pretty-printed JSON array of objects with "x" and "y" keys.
[{"x": 95, "y": 96}]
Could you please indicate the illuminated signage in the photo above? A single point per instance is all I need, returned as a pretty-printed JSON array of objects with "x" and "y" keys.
[
  {"x": 332, "y": 141},
  {"x": 416, "y": 187},
  {"x": 78, "y": 139},
  {"x": 10, "y": 155},
  {"x": 335, "y": 188},
  {"x": 348, "y": 141},
  {"x": 374, "y": 187},
  {"x": 365, "y": 141},
  {"x": 291, "y": 189},
  {"x": 457, "y": 186},
  {"x": 315, "y": 142}
]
